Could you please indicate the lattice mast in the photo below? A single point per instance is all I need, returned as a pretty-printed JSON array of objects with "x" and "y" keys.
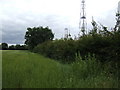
[
  {"x": 117, "y": 26},
  {"x": 67, "y": 34},
  {"x": 83, "y": 23}
]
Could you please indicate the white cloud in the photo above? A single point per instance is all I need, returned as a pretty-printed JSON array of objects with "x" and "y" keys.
[{"x": 57, "y": 14}]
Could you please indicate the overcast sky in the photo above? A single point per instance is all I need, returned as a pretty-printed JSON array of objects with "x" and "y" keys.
[{"x": 17, "y": 15}]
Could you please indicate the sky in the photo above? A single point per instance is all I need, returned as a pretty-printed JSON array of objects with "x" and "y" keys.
[{"x": 17, "y": 15}]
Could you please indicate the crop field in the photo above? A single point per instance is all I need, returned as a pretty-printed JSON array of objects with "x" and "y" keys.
[{"x": 23, "y": 69}]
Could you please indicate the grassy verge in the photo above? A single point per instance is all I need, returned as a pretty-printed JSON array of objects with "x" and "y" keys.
[
  {"x": 23, "y": 69},
  {"x": 0, "y": 69}
]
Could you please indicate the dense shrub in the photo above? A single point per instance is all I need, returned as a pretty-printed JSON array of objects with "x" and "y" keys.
[
  {"x": 104, "y": 47},
  {"x": 58, "y": 49},
  {"x": 94, "y": 45}
]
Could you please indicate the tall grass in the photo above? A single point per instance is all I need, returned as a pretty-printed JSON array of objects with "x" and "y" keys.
[
  {"x": 90, "y": 73},
  {"x": 0, "y": 69},
  {"x": 23, "y": 69}
]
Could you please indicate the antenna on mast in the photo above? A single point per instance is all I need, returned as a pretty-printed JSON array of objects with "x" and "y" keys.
[
  {"x": 117, "y": 26},
  {"x": 67, "y": 33},
  {"x": 83, "y": 23}
]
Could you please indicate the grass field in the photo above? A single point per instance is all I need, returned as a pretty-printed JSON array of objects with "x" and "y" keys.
[
  {"x": 0, "y": 69},
  {"x": 23, "y": 69}
]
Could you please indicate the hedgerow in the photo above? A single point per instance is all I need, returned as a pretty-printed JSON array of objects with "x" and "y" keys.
[
  {"x": 104, "y": 47},
  {"x": 58, "y": 49}
]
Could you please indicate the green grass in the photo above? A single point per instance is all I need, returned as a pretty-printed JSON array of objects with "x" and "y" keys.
[
  {"x": 23, "y": 69},
  {"x": 0, "y": 69}
]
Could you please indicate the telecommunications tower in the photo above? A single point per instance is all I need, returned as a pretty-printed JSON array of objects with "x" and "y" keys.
[
  {"x": 67, "y": 34},
  {"x": 117, "y": 26},
  {"x": 83, "y": 23}
]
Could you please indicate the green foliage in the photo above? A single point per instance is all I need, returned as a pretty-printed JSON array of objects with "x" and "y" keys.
[
  {"x": 0, "y": 47},
  {"x": 18, "y": 47},
  {"x": 63, "y": 50},
  {"x": 4, "y": 46},
  {"x": 0, "y": 69},
  {"x": 37, "y": 35},
  {"x": 93, "y": 45},
  {"x": 23, "y": 69},
  {"x": 100, "y": 41},
  {"x": 105, "y": 46},
  {"x": 12, "y": 47}
]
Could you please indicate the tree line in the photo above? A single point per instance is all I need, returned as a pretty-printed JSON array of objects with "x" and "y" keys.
[
  {"x": 4, "y": 46},
  {"x": 104, "y": 44}
]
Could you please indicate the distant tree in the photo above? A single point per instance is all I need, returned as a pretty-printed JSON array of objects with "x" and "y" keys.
[
  {"x": 37, "y": 35},
  {"x": 4, "y": 46},
  {"x": 18, "y": 47},
  {"x": 0, "y": 47},
  {"x": 23, "y": 47},
  {"x": 12, "y": 47}
]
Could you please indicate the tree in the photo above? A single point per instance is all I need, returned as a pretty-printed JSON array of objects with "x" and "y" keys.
[
  {"x": 4, "y": 46},
  {"x": 12, "y": 47},
  {"x": 0, "y": 47},
  {"x": 18, "y": 47},
  {"x": 37, "y": 35}
]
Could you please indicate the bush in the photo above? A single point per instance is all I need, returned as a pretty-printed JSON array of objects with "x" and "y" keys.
[
  {"x": 94, "y": 45},
  {"x": 104, "y": 47},
  {"x": 58, "y": 49}
]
